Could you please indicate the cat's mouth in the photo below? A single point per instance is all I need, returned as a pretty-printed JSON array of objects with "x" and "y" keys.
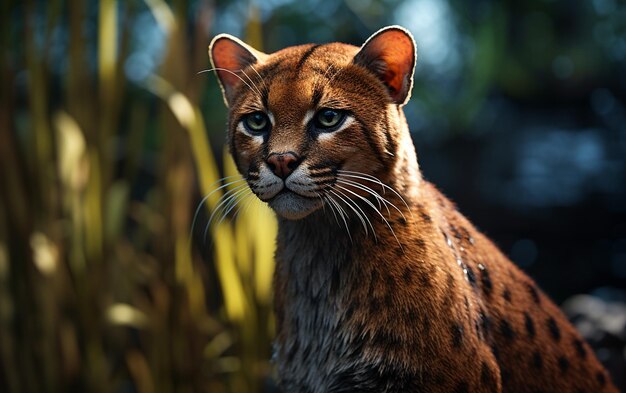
[{"x": 293, "y": 206}]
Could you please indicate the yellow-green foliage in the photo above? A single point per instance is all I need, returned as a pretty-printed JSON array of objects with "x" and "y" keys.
[{"x": 101, "y": 289}]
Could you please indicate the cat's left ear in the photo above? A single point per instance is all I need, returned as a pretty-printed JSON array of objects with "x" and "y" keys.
[
  {"x": 230, "y": 57},
  {"x": 390, "y": 55}
]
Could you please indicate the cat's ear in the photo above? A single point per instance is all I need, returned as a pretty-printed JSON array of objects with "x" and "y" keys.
[
  {"x": 229, "y": 57},
  {"x": 390, "y": 55}
]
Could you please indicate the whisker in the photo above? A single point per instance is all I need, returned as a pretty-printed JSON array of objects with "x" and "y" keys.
[
  {"x": 342, "y": 213},
  {"x": 379, "y": 213},
  {"x": 361, "y": 210},
  {"x": 363, "y": 188},
  {"x": 375, "y": 194},
  {"x": 330, "y": 206},
  {"x": 260, "y": 78},
  {"x": 195, "y": 216},
  {"x": 230, "y": 72},
  {"x": 226, "y": 198},
  {"x": 253, "y": 84},
  {"x": 243, "y": 208},
  {"x": 365, "y": 176},
  {"x": 232, "y": 205},
  {"x": 346, "y": 201}
]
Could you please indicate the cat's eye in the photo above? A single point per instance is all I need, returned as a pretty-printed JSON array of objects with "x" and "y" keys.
[
  {"x": 329, "y": 119},
  {"x": 257, "y": 123}
]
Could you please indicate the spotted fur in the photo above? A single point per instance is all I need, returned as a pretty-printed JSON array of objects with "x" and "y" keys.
[{"x": 381, "y": 285}]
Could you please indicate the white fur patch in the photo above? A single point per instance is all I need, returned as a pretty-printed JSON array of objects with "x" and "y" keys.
[
  {"x": 268, "y": 184},
  {"x": 258, "y": 139},
  {"x": 307, "y": 117},
  {"x": 300, "y": 182},
  {"x": 324, "y": 136}
]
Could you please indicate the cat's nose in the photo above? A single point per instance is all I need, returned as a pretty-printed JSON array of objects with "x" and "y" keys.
[{"x": 282, "y": 164}]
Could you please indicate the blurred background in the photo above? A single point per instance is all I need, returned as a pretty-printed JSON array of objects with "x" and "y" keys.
[{"x": 110, "y": 140}]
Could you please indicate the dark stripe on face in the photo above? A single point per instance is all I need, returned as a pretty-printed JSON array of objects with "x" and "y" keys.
[
  {"x": 317, "y": 95},
  {"x": 306, "y": 56},
  {"x": 267, "y": 73},
  {"x": 368, "y": 137}
]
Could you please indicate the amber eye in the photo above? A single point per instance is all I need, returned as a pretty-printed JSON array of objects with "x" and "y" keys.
[
  {"x": 257, "y": 123},
  {"x": 328, "y": 119}
]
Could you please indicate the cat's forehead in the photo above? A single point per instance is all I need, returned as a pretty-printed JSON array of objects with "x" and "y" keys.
[{"x": 297, "y": 77}]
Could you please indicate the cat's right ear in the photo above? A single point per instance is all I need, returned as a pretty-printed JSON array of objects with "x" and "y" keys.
[{"x": 229, "y": 57}]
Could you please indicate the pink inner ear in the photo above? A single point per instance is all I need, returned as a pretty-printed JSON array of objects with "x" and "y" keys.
[
  {"x": 396, "y": 50},
  {"x": 391, "y": 56},
  {"x": 229, "y": 55}
]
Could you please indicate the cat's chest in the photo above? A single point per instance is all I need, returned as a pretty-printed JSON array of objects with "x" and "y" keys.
[
  {"x": 320, "y": 343},
  {"x": 313, "y": 338}
]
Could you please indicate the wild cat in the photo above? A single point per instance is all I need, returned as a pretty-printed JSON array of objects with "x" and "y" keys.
[{"x": 381, "y": 284}]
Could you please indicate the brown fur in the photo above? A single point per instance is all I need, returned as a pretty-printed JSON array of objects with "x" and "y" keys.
[{"x": 433, "y": 306}]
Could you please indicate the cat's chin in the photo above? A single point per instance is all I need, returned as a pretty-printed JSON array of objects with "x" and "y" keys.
[{"x": 293, "y": 206}]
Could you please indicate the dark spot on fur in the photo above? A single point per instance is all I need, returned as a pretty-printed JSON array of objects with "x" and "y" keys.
[
  {"x": 530, "y": 325},
  {"x": 601, "y": 378},
  {"x": 407, "y": 275},
  {"x": 450, "y": 282},
  {"x": 537, "y": 361},
  {"x": 375, "y": 305},
  {"x": 390, "y": 280},
  {"x": 412, "y": 315},
  {"x": 469, "y": 273},
  {"x": 446, "y": 238},
  {"x": 580, "y": 348},
  {"x": 533, "y": 293},
  {"x": 487, "y": 377},
  {"x": 563, "y": 364},
  {"x": 456, "y": 232},
  {"x": 506, "y": 294},
  {"x": 462, "y": 387},
  {"x": 485, "y": 323},
  {"x": 457, "y": 335},
  {"x": 555, "y": 332},
  {"x": 485, "y": 279},
  {"x": 506, "y": 330},
  {"x": 424, "y": 280}
]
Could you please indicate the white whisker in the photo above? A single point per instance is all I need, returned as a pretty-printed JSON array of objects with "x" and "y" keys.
[
  {"x": 347, "y": 202},
  {"x": 195, "y": 216},
  {"x": 232, "y": 204},
  {"x": 342, "y": 213},
  {"x": 226, "y": 198},
  {"x": 361, "y": 210},
  {"x": 379, "y": 213},
  {"x": 364, "y": 176},
  {"x": 230, "y": 72}
]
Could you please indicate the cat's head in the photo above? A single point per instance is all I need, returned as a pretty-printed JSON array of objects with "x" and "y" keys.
[{"x": 308, "y": 118}]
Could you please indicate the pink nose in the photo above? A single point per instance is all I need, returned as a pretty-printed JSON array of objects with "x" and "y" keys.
[{"x": 282, "y": 164}]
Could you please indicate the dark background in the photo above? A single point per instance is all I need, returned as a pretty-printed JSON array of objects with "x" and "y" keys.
[{"x": 518, "y": 114}]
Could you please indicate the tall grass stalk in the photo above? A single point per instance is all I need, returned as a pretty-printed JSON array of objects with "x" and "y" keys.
[{"x": 102, "y": 288}]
